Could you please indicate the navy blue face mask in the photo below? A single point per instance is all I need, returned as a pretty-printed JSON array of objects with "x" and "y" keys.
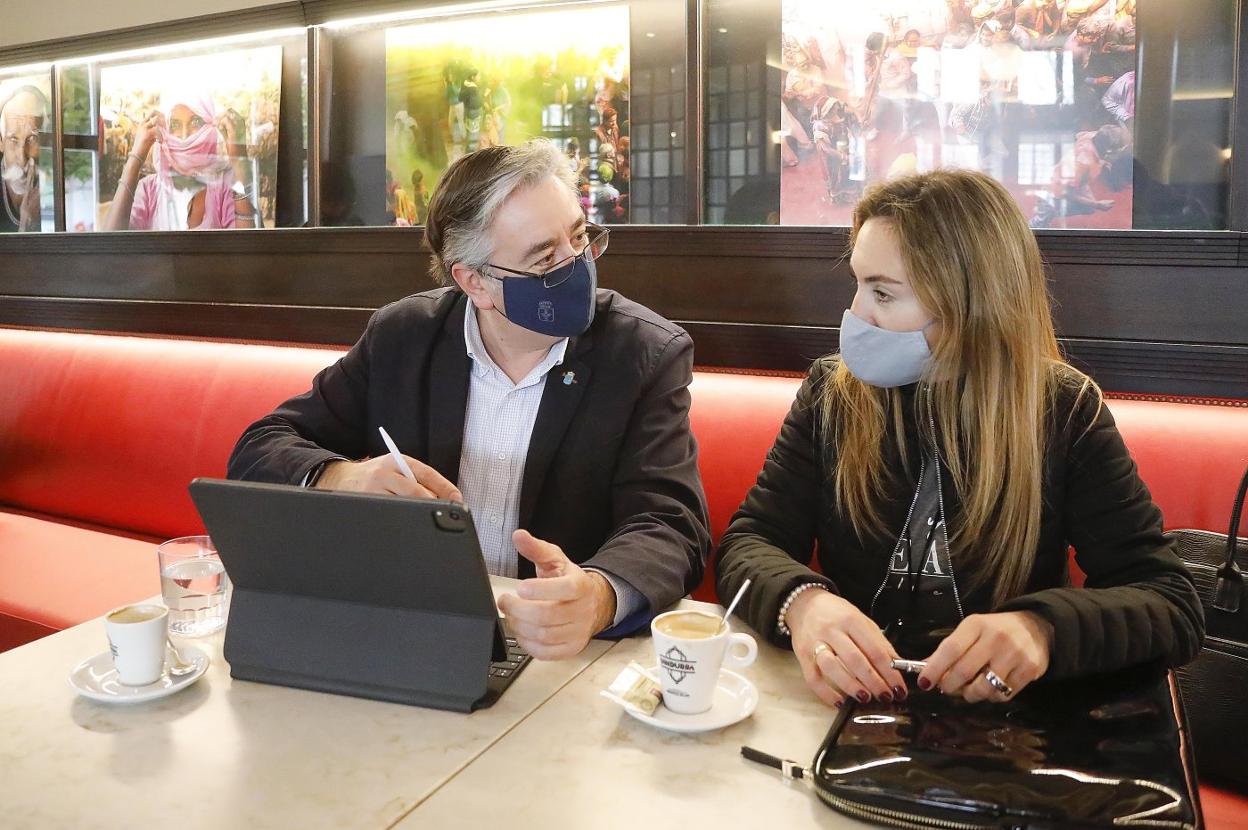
[{"x": 564, "y": 310}]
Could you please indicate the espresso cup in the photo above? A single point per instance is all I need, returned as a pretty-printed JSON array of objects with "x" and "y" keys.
[
  {"x": 691, "y": 646},
  {"x": 136, "y": 637}
]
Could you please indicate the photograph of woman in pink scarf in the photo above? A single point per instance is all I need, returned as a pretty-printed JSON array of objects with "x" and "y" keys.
[{"x": 193, "y": 186}]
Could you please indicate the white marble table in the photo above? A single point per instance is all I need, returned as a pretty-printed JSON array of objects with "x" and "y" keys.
[
  {"x": 580, "y": 761},
  {"x": 550, "y": 753},
  {"x": 225, "y": 754}
]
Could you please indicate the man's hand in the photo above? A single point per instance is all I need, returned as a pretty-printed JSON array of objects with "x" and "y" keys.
[
  {"x": 1014, "y": 645},
  {"x": 842, "y": 652},
  {"x": 29, "y": 218},
  {"x": 380, "y": 475},
  {"x": 554, "y": 615}
]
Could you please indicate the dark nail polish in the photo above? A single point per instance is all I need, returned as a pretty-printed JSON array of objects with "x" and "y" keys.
[
  {"x": 924, "y": 683},
  {"x": 838, "y": 704},
  {"x": 899, "y": 692},
  {"x": 864, "y": 697},
  {"x": 886, "y": 697}
]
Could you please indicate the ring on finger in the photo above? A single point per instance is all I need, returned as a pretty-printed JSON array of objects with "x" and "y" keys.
[
  {"x": 820, "y": 648},
  {"x": 997, "y": 683}
]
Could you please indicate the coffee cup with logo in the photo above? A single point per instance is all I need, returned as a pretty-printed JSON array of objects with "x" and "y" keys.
[
  {"x": 691, "y": 647},
  {"x": 136, "y": 637}
]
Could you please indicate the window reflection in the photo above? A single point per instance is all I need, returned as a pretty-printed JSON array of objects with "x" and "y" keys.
[
  {"x": 744, "y": 122},
  {"x": 78, "y": 108}
]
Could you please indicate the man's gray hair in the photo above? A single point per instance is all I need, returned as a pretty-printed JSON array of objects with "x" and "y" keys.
[{"x": 463, "y": 205}]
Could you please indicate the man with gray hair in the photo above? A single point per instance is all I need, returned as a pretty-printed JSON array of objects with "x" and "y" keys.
[
  {"x": 22, "y": 115},
  {"x": 557, "y": 411}
]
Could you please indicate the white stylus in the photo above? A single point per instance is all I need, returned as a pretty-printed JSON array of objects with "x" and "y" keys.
[{"x": 396, "y": 455}]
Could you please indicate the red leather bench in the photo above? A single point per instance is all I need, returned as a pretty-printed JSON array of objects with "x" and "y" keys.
[
  {"x": 100, "y": 434},
  {"x": 99, "y": 437}
]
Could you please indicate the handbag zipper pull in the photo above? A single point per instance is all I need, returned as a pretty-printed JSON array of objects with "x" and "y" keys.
[{"x": 788, "y": 769}]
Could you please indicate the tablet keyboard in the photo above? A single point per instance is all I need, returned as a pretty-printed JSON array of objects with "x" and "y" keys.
[{"x": 503, "y": 672}]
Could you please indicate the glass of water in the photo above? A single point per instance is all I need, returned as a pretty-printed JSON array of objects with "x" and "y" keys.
[{"x": 193, "y": 584}]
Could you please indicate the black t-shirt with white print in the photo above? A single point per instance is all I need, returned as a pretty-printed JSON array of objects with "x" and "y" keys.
[{"x": 917, "y": 604}]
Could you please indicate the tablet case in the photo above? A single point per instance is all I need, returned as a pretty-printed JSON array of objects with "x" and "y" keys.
[{"x": 375, "y": 596}]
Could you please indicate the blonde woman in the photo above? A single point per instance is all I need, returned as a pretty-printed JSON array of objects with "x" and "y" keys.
[{"x": 940, "y": 465}]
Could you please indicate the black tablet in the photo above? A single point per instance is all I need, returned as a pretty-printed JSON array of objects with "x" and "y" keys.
[{"x": 376, "y": 596}]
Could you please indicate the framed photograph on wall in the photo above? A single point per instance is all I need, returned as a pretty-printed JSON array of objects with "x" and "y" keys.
[
  {"x": 1039, "y": 94},
  {"x": 190, "y": 142},
  {"x": 455, "y": 86},
  {"x": 26, "y": 127}
]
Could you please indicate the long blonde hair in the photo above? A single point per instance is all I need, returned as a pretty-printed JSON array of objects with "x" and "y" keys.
[{"x": 974, "y": 266}]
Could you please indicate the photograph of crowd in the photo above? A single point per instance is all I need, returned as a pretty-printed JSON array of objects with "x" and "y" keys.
[
  {"x": 25, "y": 167},
  {"x": 190, "y": 143},
  {"x": 1039, "y": 94},
  {"x": 453, "y": 87}
]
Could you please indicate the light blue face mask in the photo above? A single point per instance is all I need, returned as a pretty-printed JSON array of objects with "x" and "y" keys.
[{"x": 883, "y": 358}]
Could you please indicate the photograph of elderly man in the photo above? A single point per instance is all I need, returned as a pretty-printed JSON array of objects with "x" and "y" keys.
[
  {"x": 558, "y": 412},
  {"x": 24, "y": 114}
]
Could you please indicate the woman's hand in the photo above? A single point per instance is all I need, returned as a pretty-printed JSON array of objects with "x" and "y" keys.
[
  {"x": 146, "y": 133},
  {"x": 1014, "y": 646},
  {"x": 841, "y": 651}
]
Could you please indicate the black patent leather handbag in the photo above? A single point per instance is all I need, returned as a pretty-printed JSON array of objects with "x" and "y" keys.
[
  {"x": 1110, "y": 752},
  {"x": 1215, "y": 684}
]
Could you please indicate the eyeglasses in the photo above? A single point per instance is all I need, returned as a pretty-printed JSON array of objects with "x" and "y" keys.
[{"x": 559, "y": 273}]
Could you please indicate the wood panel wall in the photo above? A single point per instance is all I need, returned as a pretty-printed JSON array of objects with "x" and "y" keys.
[{"x": 1153, "y": 312}]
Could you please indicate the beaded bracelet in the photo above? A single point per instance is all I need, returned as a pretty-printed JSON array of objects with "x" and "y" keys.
[{"x": 781, "y": 625}]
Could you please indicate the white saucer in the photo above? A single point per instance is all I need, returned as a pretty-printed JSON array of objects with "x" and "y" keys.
[
  {"x": 97, "y": 679},
  {"x": 735, "y": 700}
]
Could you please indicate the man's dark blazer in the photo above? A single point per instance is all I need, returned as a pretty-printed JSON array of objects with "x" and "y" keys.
[{"x": 611, "y": 475}]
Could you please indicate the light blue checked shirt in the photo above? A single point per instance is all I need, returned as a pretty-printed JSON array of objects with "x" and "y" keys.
[{"x": 498, "y": 424}]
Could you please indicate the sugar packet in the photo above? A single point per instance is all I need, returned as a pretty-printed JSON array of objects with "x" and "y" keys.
[{"x": 634, "y": 688}]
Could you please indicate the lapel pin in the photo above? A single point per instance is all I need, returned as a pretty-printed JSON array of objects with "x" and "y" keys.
[{"x": 569, "y": 378}]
